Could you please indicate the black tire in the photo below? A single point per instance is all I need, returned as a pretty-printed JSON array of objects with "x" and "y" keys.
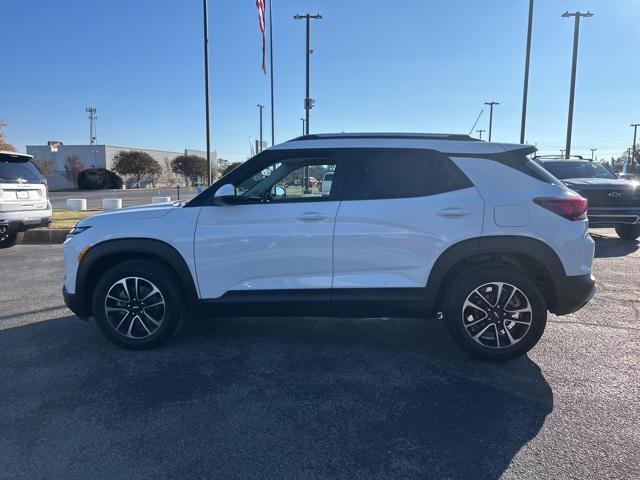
[
  {"x": 457, "y": 313},
  {"x": 150, "y": 275},
  {"x": 10, "y": 239},
  {"x": 628, "y": 232}
]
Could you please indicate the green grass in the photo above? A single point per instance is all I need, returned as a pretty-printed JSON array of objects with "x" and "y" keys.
[{"x": 67, "y": 218}]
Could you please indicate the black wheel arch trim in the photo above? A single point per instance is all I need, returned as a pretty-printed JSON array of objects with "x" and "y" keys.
[
  {"x": 491, "y": 245},
  {"x": 132, "y": 246}
]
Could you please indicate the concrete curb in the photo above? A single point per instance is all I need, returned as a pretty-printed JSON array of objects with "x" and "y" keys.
[{"x": 39, "y": 236}]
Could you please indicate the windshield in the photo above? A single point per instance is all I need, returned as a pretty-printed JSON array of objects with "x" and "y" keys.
[
  {"x": 566, "y": 169},
  {"x": 19, "y": 171}
]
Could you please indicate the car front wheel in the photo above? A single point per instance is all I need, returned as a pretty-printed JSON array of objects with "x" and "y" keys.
[
  {"x": 495, "y": 313},
  {"x": 136, "y": 306},
  {"x": 628, "y": 232}
]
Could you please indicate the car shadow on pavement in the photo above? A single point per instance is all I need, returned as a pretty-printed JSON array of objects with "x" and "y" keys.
[
  {"x": 263, "y": 398},
  {"x": 607, "y": 247}
]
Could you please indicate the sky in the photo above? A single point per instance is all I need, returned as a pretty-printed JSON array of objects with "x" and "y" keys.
[{"x": 404, "y": 65}]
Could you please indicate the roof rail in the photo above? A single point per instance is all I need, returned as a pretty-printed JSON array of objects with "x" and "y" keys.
[
  {"x": 413, "y": 136},
  {"x": 561, "y": 157}
]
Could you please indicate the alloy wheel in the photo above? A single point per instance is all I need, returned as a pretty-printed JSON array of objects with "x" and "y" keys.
[
  {"x": 497, "y": 315},
  {"x": 135, "y": 307}
]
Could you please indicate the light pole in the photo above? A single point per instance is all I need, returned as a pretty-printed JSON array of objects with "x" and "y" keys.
[
  {"x": 308, "y": 102},
  {"x": 593, "y": 151},
  {"x": 480, "y": 132},
  {"x": 635, "y": 135},
  {"x": 206, "y": 87},
  {"x": 574, "y": 63},
  {"x": 260, "y": 108},
  {"x": 491, "y": 105},
  {"x": 303, "y": 123},
  {"x": 525, "y": 92}
]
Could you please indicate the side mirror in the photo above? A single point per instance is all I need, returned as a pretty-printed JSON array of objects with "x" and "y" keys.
[
  {"x": 225, "y": 195},
  {"x": 279, "y": 192}
]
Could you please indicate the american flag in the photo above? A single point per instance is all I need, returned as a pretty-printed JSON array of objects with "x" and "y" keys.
[{"x": 260, "y": 5}]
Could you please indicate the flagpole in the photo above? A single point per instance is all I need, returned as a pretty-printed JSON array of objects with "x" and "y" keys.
[{"x": 273, "y": 128}]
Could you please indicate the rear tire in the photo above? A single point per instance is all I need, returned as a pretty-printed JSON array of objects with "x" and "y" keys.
[
  {"x": 10, "y": 239},
  {"x": 136, "y": 305},
  {"x": 628, "y": 232},
  {"x": 495, "y": 313}
]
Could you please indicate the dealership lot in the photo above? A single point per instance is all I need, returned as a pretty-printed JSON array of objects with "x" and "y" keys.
[
  {"x": 316, "y": 397},
  {"x": 130, "y": 198}
]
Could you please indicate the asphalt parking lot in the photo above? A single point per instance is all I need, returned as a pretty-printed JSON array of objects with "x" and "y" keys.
[{"x": 316, "y": 397}]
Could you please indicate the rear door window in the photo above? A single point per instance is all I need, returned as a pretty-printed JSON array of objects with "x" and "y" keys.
[{"x": 401, "y": 173}]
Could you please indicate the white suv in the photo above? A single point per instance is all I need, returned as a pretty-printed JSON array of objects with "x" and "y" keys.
[
  {"x": 413, "y": 225},
  {"x": 23, "y": 197}
]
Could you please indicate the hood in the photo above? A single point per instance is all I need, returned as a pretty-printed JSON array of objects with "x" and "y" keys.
[
  {"x": 141, "y": 212},
  {"x": 600, "y": 183}
]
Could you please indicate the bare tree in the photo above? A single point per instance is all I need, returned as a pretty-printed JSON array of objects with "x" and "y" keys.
[
  {"x": 72, "y": 168},
  {"x": 4, "y": 145},
  {"x": 45, "y": 165}
]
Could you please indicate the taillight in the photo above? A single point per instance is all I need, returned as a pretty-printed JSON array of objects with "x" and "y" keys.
[{"x": 570, "y": 207}]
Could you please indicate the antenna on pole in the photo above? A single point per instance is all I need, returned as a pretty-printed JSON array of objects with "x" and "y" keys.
[{"x": 92, "y": 124}]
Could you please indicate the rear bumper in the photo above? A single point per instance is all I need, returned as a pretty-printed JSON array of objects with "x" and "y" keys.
[
  {"x": 13, "y": 222},
  {"x": 573, "y": 293},
  {"x": 76, "y": 304}
]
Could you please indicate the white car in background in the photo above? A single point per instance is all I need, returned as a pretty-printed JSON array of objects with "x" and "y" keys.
[
  {"x": 325, "y": 186},
  {"x": 24, "y": 203}
]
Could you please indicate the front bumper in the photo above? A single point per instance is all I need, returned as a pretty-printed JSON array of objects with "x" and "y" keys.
[
  {"x": 612, "y": 217},
  {"x": 76, "y": 304},
  {"x": 573, "y": 293}
]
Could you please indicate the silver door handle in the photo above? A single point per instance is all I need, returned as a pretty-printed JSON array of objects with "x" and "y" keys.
[
  {"x": 312, "y": 217},
  {"x": 453, "y": 212}
]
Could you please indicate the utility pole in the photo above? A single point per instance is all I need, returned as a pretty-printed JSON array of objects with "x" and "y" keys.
[
  {"x": 303, "y": 123},
  {"x": 574, "y": 63},
  {"x": 525, "y": 92},
  {"x": 635, "y": 135},
  {"x": 260, "y": 108},
  {"x": 206, "y": 86},
  {"x": 308, "y": 102},
  {"x": 480, "y": 132},
  {"x": 273, "y": 122},
  {"x": 562, "y": 153},
  {"x": 491, "y": 105},
  {"x": 593, "y": 151}
]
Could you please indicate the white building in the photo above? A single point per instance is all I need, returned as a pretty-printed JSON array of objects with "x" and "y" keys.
[{"x": 97, "y": 156}]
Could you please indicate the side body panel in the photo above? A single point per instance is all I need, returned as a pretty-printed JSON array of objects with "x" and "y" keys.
[
  {"x": 508, "y": 196},
  {"x": 394, "y": 242}
]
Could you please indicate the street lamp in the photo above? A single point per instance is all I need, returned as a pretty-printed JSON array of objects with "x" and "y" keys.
[
  {"x": 593, "y": 150},
  {"x": 574, "y": 63},
  {"x": 308, "y": 102},
  {"x": 260, "y": 108},
  {"x": 633, "y": 146}
]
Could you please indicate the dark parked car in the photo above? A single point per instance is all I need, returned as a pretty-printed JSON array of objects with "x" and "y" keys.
[{"x": 613, "y": 201}]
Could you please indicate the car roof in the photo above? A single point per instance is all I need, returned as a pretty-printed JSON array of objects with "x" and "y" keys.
[
  {"x": 449, "y": 143},
  {"x": 14, "y": 155}
]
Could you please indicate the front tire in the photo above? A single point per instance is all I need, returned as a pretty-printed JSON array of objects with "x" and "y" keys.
[
  {"x": 10, "y": 239},
  {"x": 136, "y": 305},
  {"x": 628, "y": 232},
  {"x": 495, "y": 313}
]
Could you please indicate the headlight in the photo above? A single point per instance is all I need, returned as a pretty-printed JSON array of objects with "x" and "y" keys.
[{"x": 75, "y": 230}]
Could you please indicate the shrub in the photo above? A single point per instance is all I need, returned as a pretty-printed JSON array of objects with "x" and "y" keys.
[{"x": 98, "y": 179}]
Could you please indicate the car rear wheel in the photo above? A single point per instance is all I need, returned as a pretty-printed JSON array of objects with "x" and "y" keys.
[
  {"x": 136, "y": 305},
  {"x": 495, "y": 313},
  {"x": 628, "y": 232},
  {"x": 10, "y": 239}
]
